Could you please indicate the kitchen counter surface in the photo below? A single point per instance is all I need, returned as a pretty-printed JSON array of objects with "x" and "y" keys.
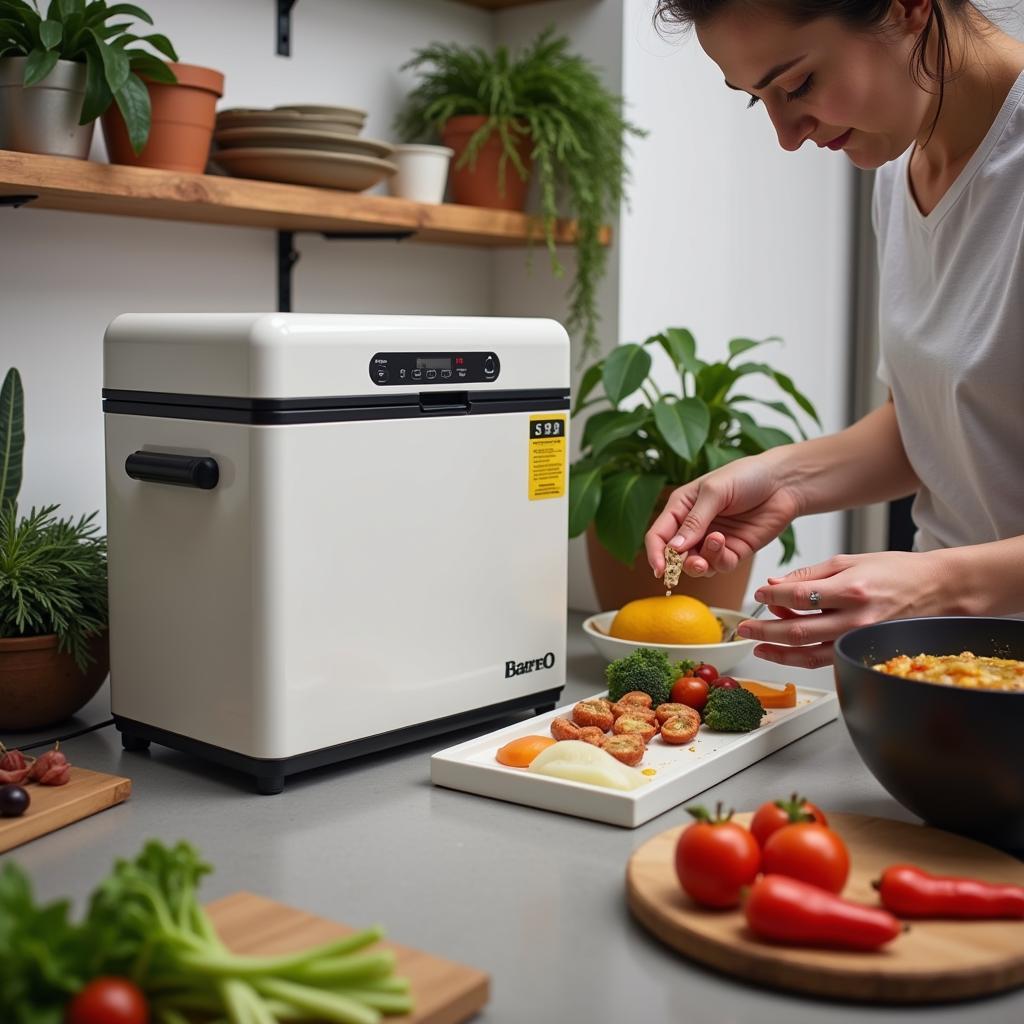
[{"x": 536, "y": 899}]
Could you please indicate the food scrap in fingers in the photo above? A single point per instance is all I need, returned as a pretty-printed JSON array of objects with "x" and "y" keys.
[{"x": 673, "y": 569}]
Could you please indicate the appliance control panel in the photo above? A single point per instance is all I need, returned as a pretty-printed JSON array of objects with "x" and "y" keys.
[{"x": 413, "y": 369}]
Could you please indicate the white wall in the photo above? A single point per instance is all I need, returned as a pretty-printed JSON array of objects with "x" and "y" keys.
[{"x": 730, "y": 236}]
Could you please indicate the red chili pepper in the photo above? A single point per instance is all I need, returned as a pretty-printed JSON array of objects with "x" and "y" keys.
[
  {"x": 911, "y": 892},
  {"x": 788, "y": 910}
]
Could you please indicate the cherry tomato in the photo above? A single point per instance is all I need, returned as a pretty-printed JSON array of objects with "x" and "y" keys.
[
  {"x": 691, "y": 691},
  {"x": 774, "y": 814},
  {"x": 726, "y": 683},
  {"x": 810, "y": 852},
  {"x": 109, "y": 1001},
  {"x": 706, "y": 672},
  {"x": 715, "y": 859}
]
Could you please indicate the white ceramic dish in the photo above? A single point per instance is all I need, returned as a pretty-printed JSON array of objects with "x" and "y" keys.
[
  {"x": 347, "y": 171},
  {"x": 249, "y": 117},
  {"x": 680, "y": 772},
  {"x": 321, "y": 140},
  {"x": 724, "y": 657}
]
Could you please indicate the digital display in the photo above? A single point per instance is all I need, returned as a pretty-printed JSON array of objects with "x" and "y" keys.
[{"x": 433, "y": 364}]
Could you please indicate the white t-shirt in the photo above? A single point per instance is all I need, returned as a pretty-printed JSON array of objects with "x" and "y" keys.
[{"x": 952, "y": 336}]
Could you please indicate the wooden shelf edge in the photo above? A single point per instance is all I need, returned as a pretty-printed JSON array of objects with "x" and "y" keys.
[{"x": 84, "y": 186}]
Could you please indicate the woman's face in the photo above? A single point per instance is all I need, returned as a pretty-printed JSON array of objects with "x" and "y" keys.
[{"x": 825, "y": 82}]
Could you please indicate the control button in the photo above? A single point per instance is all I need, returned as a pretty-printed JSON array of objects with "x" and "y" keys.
[
  {"x": 431, "y": 374},
  {"x": 380, "y": 374},
  {"x": 445, "y": 374},
  {"x": 489, "y": 366},
  {"x": 417, "y": 374},
  {"x": 461, "y": 372},
  {"x": 401, "y": 373}
]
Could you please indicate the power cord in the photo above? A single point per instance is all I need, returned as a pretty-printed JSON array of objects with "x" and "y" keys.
[{"x": 69, "y": 736}]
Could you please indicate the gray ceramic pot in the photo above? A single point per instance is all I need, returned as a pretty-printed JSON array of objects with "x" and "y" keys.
[{"x": 44, "y": 118}]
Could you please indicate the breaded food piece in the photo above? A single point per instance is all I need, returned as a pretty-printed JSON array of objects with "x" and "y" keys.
[
  {"x": 592, "y": 734},
  {"x": 564, "y": 729},
  {"x": 627, "y": 749},
  {"x": 628, "y": 726},
  {"x": 664, "y": 712},
  {"x": 592, "y": 712},
  {"x": 681, "y": 729},
  {"x": 637, "y": 697}
]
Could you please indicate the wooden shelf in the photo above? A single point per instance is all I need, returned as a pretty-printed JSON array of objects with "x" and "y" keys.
[{"x": 60, "y": 183}]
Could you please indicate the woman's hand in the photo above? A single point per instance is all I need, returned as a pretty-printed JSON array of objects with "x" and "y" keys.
[
  {"x": 848, "y": 591},
  {"x": 723, "y": 517}
]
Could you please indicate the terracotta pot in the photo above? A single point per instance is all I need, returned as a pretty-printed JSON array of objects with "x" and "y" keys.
[
  {"x": 182, "y": 125},
  {"x": 478, "y": 185},
  {"x": 41, "y": 686}
]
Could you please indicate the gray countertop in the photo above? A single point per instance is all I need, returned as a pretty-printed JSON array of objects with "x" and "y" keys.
[{"x": 534, "y": 898}]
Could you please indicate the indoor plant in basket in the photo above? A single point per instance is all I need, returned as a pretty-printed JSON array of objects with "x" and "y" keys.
[
  {"x": 631, "y": 458},
  {"x": 62, "y": 68},
  {"x": 53, "y": 595},
  {"x": 545, "y": 110}
]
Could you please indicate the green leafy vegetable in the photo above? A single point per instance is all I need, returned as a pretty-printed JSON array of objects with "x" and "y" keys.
[
  {"x": 144, "y": 922},
  {"x": 732, "y": 710}
]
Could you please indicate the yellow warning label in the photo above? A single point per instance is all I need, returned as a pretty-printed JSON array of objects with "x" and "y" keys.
[{"x": 547, "y": 457}]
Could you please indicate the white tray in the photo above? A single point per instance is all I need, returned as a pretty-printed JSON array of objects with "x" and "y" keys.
[{"x": 681, "y": 772}]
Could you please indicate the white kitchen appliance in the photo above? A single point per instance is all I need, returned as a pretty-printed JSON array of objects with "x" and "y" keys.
[{"x": 330, "y": 534}]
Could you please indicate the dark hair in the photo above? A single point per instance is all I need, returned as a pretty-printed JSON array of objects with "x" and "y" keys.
[{"x": 857, "y": 14}]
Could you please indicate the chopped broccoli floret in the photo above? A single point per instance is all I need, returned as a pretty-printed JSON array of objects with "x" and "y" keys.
[
  {"x": 732, "y": 710},
  {"x": 646, "y": 670}
]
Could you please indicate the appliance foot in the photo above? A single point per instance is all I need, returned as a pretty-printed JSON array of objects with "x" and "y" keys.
[
  {"x": 269, "y": 785},
  {"x": 135, "y": 744}
]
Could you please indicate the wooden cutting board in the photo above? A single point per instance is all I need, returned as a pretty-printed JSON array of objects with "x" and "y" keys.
[
  {"x": 53, "y": 807},
  {"x": 934, "y": 961},
  {"x": 444, "y": 992}
]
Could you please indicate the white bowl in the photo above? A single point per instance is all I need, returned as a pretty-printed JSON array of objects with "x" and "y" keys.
[{"x": 724, "y": 657}]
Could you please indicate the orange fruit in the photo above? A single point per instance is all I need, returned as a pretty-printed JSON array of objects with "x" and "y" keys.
[
  {"x": 519, "y": 753},
  {"x": 667, "y": 620}
]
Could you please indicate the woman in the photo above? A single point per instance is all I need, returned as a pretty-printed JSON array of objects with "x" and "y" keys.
[{"x": 931, "y": 93}]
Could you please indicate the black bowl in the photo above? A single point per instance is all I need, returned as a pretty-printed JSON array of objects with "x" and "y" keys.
[{"x": 951, "y": 755}]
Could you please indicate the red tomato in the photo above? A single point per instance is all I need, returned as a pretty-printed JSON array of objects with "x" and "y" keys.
[
  {"x": 691, "y": 691},
  {"x": 772, "y": 816},
  {"x": 810, "y": 852},
  {"x": 726, "y": 683},
  {"x": 706, "y": 672},
  {"x": 716, "y": 859},
  {"x": 109, "y": 1001}
]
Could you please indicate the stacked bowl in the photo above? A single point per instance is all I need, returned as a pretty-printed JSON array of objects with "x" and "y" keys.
[{"x": 304, "y": 144}]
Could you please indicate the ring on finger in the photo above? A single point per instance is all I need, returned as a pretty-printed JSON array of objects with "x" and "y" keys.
[{"x": 815, "y": 598}]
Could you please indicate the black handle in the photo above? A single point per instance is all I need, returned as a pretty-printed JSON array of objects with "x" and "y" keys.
[
  {"x": 444, "y": 402},
  {"x": 163, "y": 468}
]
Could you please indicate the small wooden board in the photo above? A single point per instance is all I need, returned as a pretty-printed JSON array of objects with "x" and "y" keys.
[
  {"x": 444, "y": 992},
  {"x": 935, "y": 961},
  {"x": 53, "y": 807}
]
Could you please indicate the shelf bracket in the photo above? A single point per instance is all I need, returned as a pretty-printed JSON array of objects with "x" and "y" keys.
[
  {"x": 284, "y": 27},
  {"x": 288, "y": 256},
  {"x": 16, "y": 201}
]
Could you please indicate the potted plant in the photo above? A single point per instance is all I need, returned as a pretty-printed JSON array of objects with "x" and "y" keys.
[
  {"x": 53, "y": 595},
  {"x": 546, "y": 109},
  {"x": 61, "y": 70},
  {"x": 645, "y": 442}
]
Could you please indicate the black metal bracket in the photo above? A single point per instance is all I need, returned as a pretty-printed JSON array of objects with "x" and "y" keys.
[
  {"x": 288, "y": 256},
  {"x": 284, "y": 27},
  {"x": 16, "y": 201}
]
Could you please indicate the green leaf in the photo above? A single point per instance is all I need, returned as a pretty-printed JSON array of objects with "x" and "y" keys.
[
  {"x": 115, "y": 64},
  {"x": 590, "y": 380},
  {"x": 39, "y": 64},
  {"x": 133, "y": 102},
  {"x": 740, "y": 345},
  {"x": 788, "y": 538},
  {"x": 50, "y": 33},
  {"x": 627, "y": 507},
  {"x": 713, "y": 382},
  {"x": 763, "y": 437},
  {"x": 789, "y": 387},
  {"x": 584, "y": 498},
  {"x": 684, "y": 424},
  {"x": 624, "y": 424},
  {"x": 12, "y": 436},
  {"x": 717, "y": 455},
  {"x": 682, "y": 347},
  {"x": 101, "y": 15},
  {"x": 70, "y": 7},
  {"x": 595, "y": 423},
  {"x": 161, "y": 44},
  {"x": 151, "y": 68},
  {"x": 779, "y": 407},
  {"x": 624, "y": 371},
  {"x": 97, "y": 96}
]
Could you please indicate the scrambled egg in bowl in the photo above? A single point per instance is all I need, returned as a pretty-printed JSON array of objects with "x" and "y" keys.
[{"x": 964, "y": 669}]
